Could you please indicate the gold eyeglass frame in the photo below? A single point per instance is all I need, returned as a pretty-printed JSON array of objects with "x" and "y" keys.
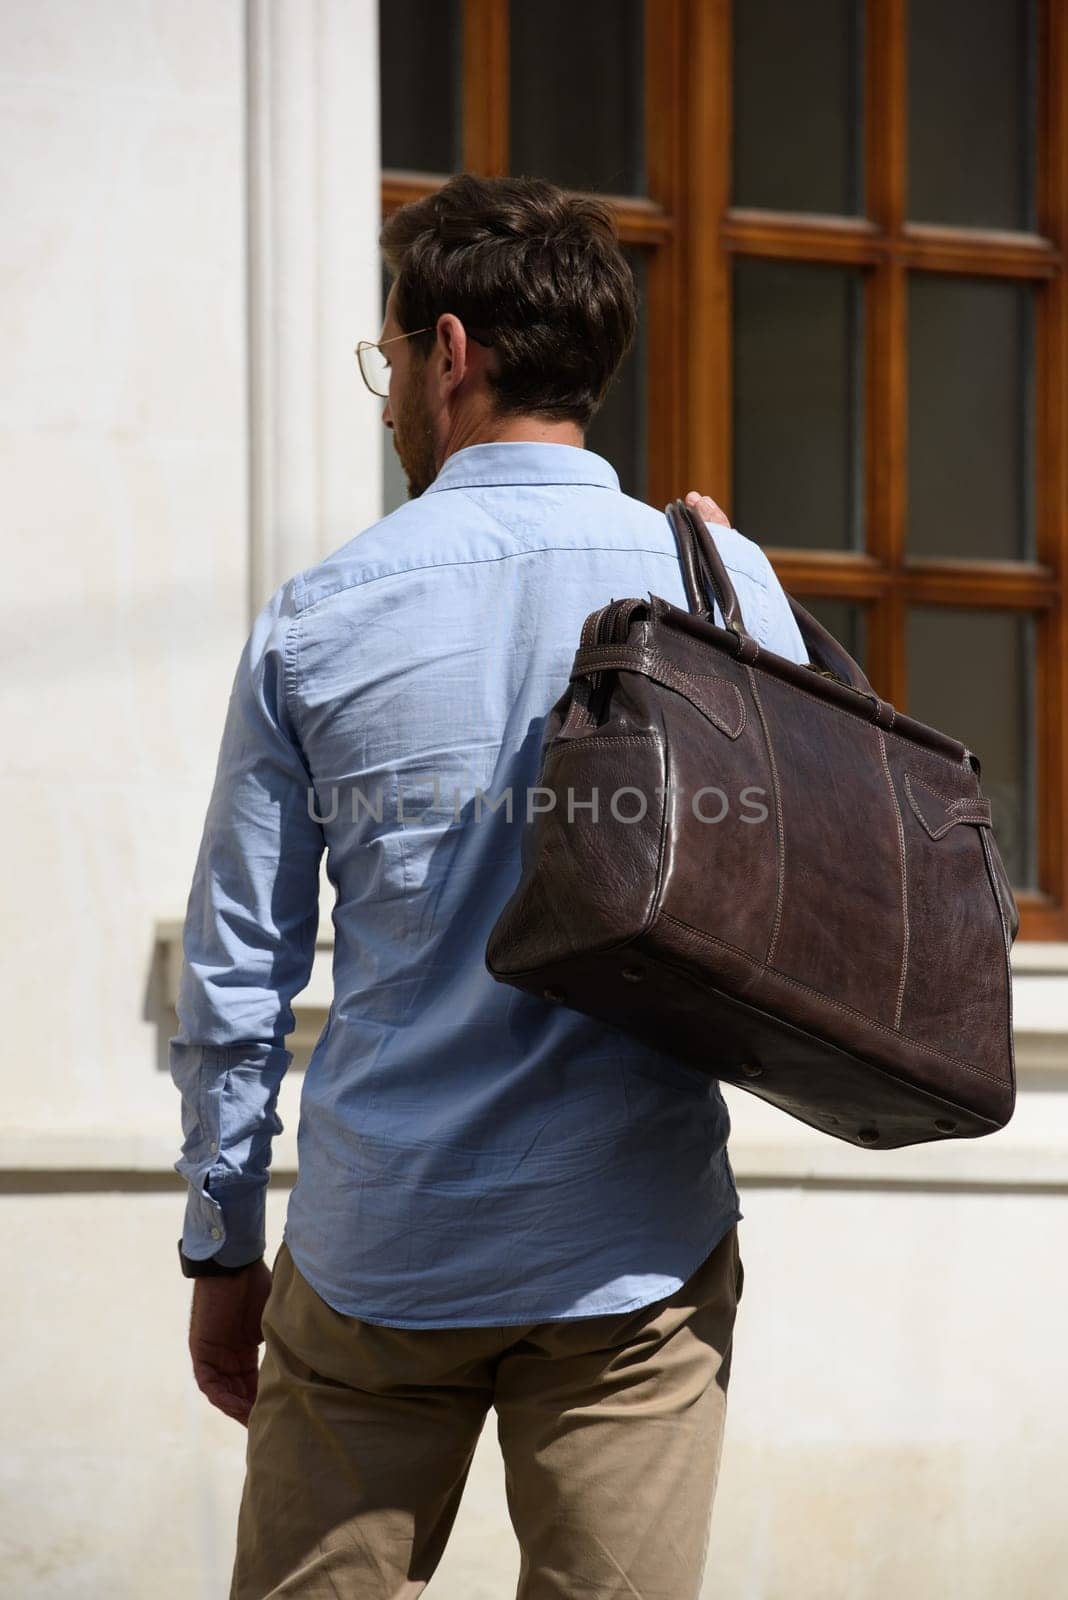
[{"x": 376, "y": 344}]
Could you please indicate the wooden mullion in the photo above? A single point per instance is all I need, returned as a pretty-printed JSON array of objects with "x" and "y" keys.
[
  {"x": 652, "y": 222},
  {"x": 977, "y": 253},
  {"x": 885, "y": 415},
  {"x": 885, "y": 349},
  {"x": 886, "y": 123},
  {"x": 641, "y": 222},
  {"x": 1011, "y": 585},
  {"x": 486, "y": 77},
  {"x": 1051, "y": 500},
  {"x": 839, "y": 575},
  {"x": 845, "y": 241},
  {"x": 664, "y": 116},
  {"x": 855, "y": 241},
  {"x": 1051, "y": 697},
  {"x": 706, "y": 305}
]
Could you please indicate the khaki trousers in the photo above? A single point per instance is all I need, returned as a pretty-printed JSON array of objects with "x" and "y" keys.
[{"x": 611, "y": 1429}]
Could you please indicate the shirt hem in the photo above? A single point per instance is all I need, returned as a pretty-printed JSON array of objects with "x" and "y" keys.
[{"x": 519, "y": 1322}]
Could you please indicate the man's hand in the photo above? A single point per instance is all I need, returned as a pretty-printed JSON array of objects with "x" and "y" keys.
[
  {"x": 225, "y": 1336},
  {"x": 707, "y": 508}
]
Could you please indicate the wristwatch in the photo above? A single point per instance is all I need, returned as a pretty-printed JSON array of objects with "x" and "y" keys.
[{"x": 210, "y": 1268}]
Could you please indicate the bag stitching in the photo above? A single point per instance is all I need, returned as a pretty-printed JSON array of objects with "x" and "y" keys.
[
  {"x": 701, "y": 677},
  {"x": 837, "y": 1005},
  {"x": 657, "y": 661},
  {"x": 952, "y": 803},
  {"x": 776, "y": 926},
  {"x": 904, "y": 886},
  {"x": 988, "y": 858},
  {"x": 583, "y": 741},
  {"x": 906, "y": 739}
]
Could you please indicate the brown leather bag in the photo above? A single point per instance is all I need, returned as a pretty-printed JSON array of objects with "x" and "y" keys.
[{"x": 786, "y": 884}]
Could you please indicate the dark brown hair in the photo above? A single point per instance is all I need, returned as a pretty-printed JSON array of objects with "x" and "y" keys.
[{"x": 536, "y": 269}]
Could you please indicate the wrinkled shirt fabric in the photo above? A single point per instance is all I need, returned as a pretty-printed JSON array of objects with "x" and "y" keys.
[{"x": 468, "y": 1153}]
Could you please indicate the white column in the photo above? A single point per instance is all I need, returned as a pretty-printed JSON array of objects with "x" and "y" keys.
[{"x": 313, "y": 212}]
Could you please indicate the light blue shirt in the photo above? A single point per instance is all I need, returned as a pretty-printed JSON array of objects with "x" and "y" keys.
[{"x": 468, "y": 1153}]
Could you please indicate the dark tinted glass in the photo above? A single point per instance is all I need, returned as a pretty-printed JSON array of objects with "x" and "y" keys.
[
  {"x": 420, "y": 53},
  {"x": 971, "y": 674},
  {"x": 619, "y": 430},
  {"x": 971, "y": 418},
  {"x": 798, "y": 106},
  {"x": 798, "y": 404},
  {"x": 845, "y": 620},
  {"x": 972, "y": 112},
  {"x": 577, "y": 93}
]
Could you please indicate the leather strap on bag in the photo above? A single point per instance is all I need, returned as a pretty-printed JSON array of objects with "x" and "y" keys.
[
  {"x": 714, "y": 696},
  {"x": 703, "y": 572}
]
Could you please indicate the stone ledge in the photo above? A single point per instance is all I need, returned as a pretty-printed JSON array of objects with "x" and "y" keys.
[
  {"x": 1040, "y": 996},
  {"x": 765, "y": 1147},
  {"x": 1035, "y": 955}
]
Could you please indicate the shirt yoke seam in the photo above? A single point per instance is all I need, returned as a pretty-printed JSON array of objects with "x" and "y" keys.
[
  {"x": 480, "y": 561},
  {"x": 524, "y": 483}
]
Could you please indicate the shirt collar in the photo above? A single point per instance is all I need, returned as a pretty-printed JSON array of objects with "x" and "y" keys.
[{"x": 524, "y": 462}]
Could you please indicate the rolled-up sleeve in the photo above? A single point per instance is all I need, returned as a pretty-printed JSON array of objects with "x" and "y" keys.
[{"x": 248, "y": 946}]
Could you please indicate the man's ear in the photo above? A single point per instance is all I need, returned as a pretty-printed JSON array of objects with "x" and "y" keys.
[{"x": 452, "y": 345}]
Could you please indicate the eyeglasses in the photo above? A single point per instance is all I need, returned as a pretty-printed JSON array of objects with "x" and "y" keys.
[{"x": 374, "y": 364}]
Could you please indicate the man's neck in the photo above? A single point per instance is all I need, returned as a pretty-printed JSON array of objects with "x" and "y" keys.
[
  {"x": 513, "y": 430},
  {"x": 536, "y": 430}
]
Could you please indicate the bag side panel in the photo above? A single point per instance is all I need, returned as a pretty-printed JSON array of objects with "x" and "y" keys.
[
  {"x": 722, "y": 859},
  {"x": 956, "y": 995},
  {"x": 589, "y": 882},
  {"x": 841, "y": 929}
]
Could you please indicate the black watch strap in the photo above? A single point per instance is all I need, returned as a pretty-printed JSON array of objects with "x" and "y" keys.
[{"x": 210, "y": 1268}]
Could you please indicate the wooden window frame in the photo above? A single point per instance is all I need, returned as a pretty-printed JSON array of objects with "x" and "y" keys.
[
  {"x": 653, "y": 223},
  {"x": 889, "y": 246},
  {"x": 689, "y": 233}
]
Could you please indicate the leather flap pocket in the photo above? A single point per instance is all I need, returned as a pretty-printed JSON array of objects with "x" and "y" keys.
[{"x": 939, "y": 812}]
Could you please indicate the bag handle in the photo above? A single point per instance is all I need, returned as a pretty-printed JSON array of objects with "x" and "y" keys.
[
  {"x": 703, "y": 569},
  {"x": 824, "y": 651},
  {"x": 703, "y": 572}
]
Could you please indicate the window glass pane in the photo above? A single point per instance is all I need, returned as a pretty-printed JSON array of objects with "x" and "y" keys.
[
  {"x": 420, "y": 51},
  {"x": 798, "y": 105},
  {"x": 971, "y": 674},
  {"x": 799, "y": 404},
  {"x": 618, "y": 431},
  {"x": 846, "y": 620},
  {"x": 971, "y": 465},
  {"x": 971, "y": 100},
  {"x": 577, "y": 93}
]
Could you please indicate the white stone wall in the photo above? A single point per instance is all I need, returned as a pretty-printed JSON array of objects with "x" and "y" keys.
[
  {"x": 123, "y": 454},
  {"x": 188, "y": 256},
  {"x": 178, "y": 433}
]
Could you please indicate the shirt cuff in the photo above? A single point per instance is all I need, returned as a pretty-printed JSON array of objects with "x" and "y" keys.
[{"x": 232, "y": 1230}]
